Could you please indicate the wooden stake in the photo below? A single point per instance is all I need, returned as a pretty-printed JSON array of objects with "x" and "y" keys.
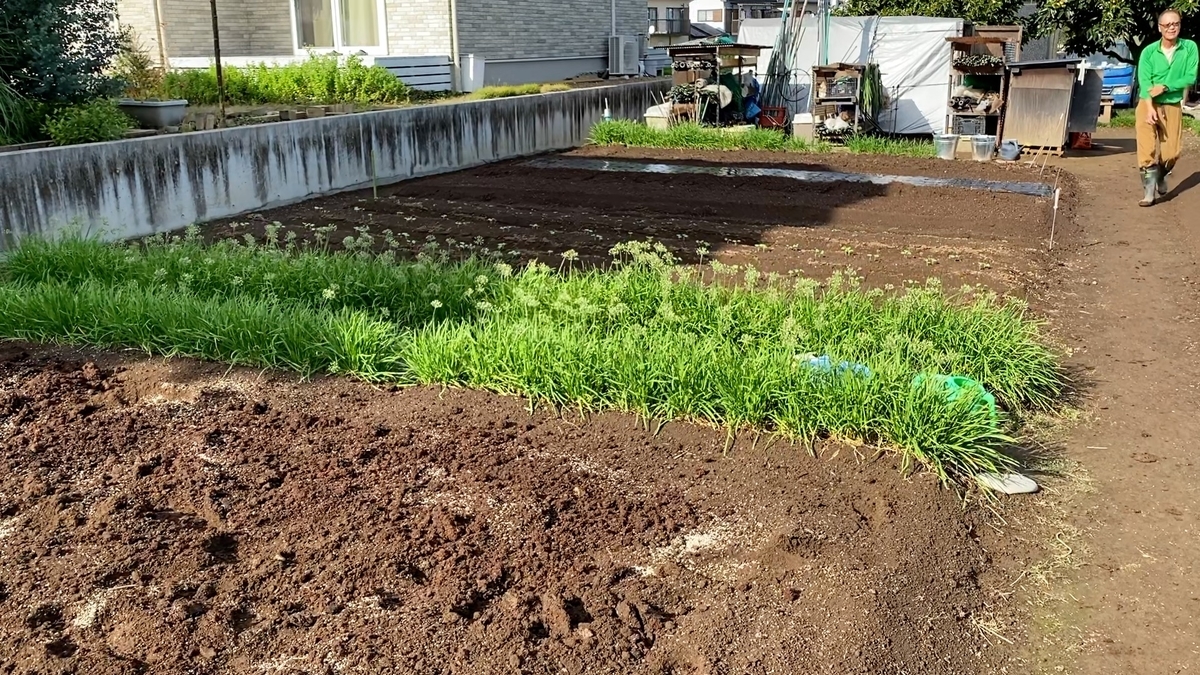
[
  {"x": 374, "y": 181},
  {"x": 217, "y": 56}
]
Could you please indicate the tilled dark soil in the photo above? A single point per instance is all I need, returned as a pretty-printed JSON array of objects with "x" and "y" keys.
[
  {"x": 888, "y": 234},
  {"x": 170, "y": 517}
]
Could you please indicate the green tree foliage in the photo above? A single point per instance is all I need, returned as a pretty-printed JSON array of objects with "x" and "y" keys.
[
  {"x": 1089, "y": 26},
  {"x": 994, "y": 12},
  {"x": 56, "y": 51}
]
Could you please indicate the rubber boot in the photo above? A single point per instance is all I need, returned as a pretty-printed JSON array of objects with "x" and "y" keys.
[
  {"x": 1149, "y": 186},
  {"x": 1163, "y": 172}
]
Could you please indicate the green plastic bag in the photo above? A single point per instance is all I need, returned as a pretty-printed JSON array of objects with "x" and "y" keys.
[{"x": 958, "y": 386}]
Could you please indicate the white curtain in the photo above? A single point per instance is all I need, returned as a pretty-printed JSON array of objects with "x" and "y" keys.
[
  {"x": 360, "y": 23},
  {"x": 314, "y": 19}
]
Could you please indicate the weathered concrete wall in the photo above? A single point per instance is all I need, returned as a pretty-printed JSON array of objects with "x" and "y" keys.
[{"x": 139, "y": 187}]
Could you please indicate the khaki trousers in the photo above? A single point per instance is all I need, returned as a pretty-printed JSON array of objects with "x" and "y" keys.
[{"x": 1159, "y": 143}]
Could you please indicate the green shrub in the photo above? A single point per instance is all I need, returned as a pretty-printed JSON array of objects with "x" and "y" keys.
[
  {"x": 320, "y": 80},
  {"x": 94, "y": 122}
]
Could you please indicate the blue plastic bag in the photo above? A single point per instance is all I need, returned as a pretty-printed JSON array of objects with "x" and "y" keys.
[{"x": 825, "y": 365}]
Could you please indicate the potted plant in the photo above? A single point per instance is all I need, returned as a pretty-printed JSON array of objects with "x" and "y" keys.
[{"x": 146, "y": 99}]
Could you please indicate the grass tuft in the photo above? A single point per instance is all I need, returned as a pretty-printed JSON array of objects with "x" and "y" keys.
[
  {"x": 691, "y": 136},
  {"x": 892, "y": 147},
  {"x": 509, "y": 90},
  {"x": 645, "y": 335}
]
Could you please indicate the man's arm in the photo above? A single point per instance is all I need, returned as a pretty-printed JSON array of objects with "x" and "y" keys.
[
  {"x": 1186, "y": 76},
  {"x": 1143, "y": 73}
]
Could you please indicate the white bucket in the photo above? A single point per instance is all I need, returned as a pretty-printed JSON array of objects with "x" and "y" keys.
[
  {"x": 946, "y": 145},
  {"x": 659, "y": 116}
]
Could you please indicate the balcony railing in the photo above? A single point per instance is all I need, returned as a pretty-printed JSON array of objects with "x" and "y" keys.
[{"x": 670, "y": 27}]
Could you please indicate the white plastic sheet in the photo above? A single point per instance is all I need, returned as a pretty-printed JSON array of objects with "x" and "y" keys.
[{"x": 912, "y": 53}]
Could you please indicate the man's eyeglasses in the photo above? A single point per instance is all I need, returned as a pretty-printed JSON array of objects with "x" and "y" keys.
[{"x": 1173, "y": 24}]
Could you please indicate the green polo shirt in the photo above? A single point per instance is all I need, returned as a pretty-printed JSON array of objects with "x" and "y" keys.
[{"x": 1176, "y": 75}]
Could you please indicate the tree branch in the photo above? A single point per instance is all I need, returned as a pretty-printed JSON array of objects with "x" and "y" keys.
[{"x": 1113, "y": 55}]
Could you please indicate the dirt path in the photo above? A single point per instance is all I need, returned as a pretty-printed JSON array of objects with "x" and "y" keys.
[{"x": 1134, "y": 607}]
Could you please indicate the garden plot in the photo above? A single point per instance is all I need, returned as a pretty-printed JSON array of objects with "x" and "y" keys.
[
  {"x": 757, "y": 513},
  {"x": 889, "y": 234}
]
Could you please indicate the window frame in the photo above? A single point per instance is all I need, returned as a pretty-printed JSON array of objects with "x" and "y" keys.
[
  {"x": 714, "y": 16},
  {"x": 338, "y": 47}
]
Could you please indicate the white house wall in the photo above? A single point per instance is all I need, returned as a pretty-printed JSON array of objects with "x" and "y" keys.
[
  {"x": 698, "y": 6},
  {"x": 419, "y": 27},
  {"x": 524, "y": 29},
  {"x": 139, "y": 15},
  {"x": 664, "y": 39},
  {"x": 248, "y": 27}
]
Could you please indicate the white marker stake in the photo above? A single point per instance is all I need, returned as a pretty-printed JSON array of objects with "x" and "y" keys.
[{"x": 1054, "y": 218}]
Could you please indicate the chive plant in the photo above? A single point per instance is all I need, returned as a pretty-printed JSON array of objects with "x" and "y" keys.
[
  {"x": 690, "y": 136},
  {"x": 644, "y": 335}
]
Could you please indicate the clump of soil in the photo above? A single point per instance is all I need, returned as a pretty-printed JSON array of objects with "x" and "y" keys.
[{"x": 169, "y": 517}]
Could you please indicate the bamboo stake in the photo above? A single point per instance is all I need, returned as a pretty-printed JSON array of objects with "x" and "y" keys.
[{"x": 217, "y": 57}]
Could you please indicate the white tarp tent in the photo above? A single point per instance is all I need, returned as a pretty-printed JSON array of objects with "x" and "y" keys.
[{"x": 912, "y": 53}]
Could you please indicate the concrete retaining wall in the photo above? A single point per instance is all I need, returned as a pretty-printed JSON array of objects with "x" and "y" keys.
[{"x": 139, "y": 187}]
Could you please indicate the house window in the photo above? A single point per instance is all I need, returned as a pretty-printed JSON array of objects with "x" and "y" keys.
[
  {"x": 652, "y": 14},
  {"x": 339, "y": 24},
  {"x": 711, "y": 15}
]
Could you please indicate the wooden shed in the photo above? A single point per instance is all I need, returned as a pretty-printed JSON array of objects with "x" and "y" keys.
[{"x": 1039, "y": 103}]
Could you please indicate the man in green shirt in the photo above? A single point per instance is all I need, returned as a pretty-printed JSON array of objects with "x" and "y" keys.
[{"x": 1166, "y": 70}]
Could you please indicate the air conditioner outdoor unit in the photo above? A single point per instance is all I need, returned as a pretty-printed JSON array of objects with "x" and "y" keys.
[{"x": 622, "y": 55}]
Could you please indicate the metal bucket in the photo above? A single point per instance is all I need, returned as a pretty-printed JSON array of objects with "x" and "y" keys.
[
  {"x": 946, "y": 145},
  {"x": 982, "y": 147}
]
